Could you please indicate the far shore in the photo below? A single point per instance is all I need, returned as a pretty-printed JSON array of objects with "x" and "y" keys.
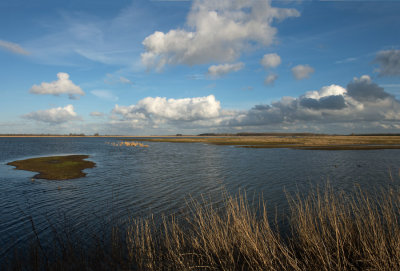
[
  {"x": 99, "y": 136},
  {"x": 303, "y": 141},
  {"x": 292, "y": 141}
]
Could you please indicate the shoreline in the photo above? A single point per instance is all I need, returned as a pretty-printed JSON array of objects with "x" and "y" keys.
[
  {"x": 279, "y": 140},
  {"x": 307, "y": 142}
]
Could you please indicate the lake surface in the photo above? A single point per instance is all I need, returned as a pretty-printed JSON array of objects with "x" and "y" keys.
[{"x": 160, "y": 179}]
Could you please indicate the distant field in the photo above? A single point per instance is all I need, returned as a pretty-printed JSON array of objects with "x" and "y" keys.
[{"x": 306, "y": 142}]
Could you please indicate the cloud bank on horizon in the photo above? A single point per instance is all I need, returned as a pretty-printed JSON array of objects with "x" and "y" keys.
[
  {"x": 227, "y": 46},
  {"x": 362, "y": 101}
]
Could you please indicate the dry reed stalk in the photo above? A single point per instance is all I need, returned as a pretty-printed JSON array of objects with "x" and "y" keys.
[
  {"x": 330, "y": 230},
  {"x": 337, "y": 232},
  {"x": 127, "y": 144}
]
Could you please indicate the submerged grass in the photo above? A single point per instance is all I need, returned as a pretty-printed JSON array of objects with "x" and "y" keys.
[{"x": 329, "y": 230}]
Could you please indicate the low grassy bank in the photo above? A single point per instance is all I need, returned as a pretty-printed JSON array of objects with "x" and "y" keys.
[
  {"x": 329, "y": 230},
  {"x": 55, "y": 167},
  {"x": 305, "y": 142}
]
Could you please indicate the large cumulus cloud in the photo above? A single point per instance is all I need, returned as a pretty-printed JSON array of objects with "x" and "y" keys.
[
  {"x": 198, "y": 111},
  {"x": 361, "y": 101},
  {"x": 217, "y": 31}
]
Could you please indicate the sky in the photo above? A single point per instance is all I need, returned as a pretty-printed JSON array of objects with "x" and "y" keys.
[{"x": 147, "y": 67}]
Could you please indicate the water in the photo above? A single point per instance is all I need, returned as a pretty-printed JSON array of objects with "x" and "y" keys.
[{"x": 135, "y": 182}]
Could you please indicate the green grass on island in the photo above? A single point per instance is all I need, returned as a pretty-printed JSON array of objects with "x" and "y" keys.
[{"x": 55, "y": 167}]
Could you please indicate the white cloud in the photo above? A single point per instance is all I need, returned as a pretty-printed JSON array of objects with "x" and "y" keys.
[
  {"x": 105, "y": 95},
  {"x": 389, "y": 61},
  {"x": 270, "y": 79},
  {"x": 217, "y": 31},
  {"x": 187, "y": 109},
  {"x": 332, "y": 90},
  {"x": 62, "y": 86},
  {"x": 56, "y": 115},
  {"x": 270, "y": 61},
  {"x": 302, "y": 71},
  {"x": 13, "y": 47},
  {"x": 163, "y": 112},
  {"x": 220, "y": 70}
]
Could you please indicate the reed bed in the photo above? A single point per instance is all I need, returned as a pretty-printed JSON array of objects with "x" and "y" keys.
[
  {"x": 328, "y": 230},
  {"x": 127, "y": 144}
]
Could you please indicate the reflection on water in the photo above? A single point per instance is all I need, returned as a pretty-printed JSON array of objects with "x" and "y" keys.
[{"x": 161, "y": 178}]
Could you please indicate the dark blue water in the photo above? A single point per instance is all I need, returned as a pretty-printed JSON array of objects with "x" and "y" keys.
[{"x": 135, "y": 182}]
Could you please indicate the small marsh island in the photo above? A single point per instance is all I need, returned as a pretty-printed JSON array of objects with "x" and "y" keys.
[{"x": 56, "y": 167}]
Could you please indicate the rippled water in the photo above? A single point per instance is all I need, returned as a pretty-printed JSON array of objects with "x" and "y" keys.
[{"x": 129, "y": 181}]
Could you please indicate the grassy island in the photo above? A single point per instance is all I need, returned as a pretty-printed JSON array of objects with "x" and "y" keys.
[{"x": 55, "y": 167}]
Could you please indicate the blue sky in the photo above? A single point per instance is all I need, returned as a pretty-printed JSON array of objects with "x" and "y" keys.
[{"x": 164, "y": 67}]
